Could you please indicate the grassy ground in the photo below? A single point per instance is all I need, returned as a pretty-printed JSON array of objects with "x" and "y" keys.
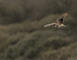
[{"x": 29, "y": 40}]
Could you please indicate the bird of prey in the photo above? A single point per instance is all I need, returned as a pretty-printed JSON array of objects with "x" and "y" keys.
[{"x": 58, "y": 23}]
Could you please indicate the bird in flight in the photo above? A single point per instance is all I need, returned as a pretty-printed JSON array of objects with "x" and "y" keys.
[{"x": 58, "y": 23}]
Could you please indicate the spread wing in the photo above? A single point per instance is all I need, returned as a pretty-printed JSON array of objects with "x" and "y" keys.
[
  {"x": 60, "y": 20},
  {"x": 47, "y": 25}
]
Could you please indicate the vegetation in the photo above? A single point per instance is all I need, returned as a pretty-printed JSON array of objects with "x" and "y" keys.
[
  {"x": 23, "y": 37},
  {"x": 29, "y": 40},
  {"x": 19, "y": 10}
]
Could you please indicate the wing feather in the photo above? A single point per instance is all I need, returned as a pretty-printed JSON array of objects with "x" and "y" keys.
[
  {"x": 47, "y": 25},
  {"x": 60, "y": 20}
]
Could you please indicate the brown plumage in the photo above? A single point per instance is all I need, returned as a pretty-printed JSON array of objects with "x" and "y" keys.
[{"x": 59, "y": 22}]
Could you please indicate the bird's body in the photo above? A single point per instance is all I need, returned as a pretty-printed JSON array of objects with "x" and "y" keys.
[{"x": 59, "y": 22}]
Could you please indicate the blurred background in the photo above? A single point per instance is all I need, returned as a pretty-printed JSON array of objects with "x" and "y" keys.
[{"x": 23, "y": 37}]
